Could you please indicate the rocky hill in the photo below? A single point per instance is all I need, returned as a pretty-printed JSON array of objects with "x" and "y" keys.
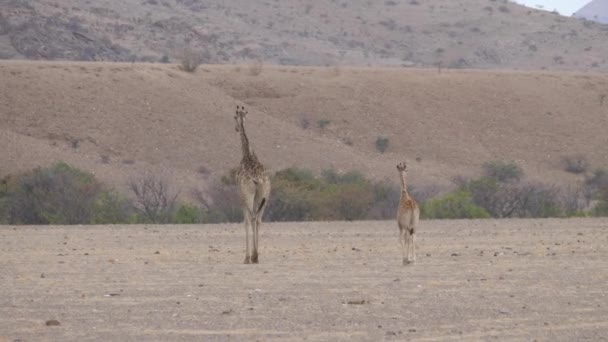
[
  {"x": 454, "y": 34},
  {"x": 596, "y": 10}
]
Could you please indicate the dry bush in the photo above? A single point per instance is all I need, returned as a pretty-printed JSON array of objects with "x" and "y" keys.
[
  {"x": 190, "y": 60},
  {"x": 382, "y": 144},
  {"x": 304, "y": 120},
  {"x": 221, "y": 203},
  {"x": 154, "y": 199},
  {"x": 255, "y": 68},
  {"x": 575, "y": 163},
  {"x": 503, "y": 171}
]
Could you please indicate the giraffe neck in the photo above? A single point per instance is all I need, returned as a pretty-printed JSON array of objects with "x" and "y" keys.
[
  {"x": 403, "y": 184},
  {"x": 246, "y": 148}
]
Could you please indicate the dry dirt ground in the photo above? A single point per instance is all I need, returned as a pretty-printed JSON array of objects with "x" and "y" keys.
[{"x": 474, "y": 280}]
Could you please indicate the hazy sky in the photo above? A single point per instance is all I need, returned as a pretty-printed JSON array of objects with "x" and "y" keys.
[{"x": 565, "y": 7}]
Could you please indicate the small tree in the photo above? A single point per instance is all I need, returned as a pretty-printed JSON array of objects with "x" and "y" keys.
[{"x": 154, "y": 199}]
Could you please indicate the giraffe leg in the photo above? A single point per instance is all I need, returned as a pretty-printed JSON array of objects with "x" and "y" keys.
[
  {"x": 260, "y": 203},
  {"x": 247, "y": 225},
  {"x": 413, "y": 237},
  {"x": 254, "y": 253},
  {"x": 402, "y": 243},
  {"x": 408, "y": 247}
]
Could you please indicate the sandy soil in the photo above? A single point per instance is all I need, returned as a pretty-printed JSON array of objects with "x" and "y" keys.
[{"x": 474, "y": 280}]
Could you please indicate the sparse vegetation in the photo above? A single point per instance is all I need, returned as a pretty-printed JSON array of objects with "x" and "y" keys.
[
  {"x": 382, "y": 144},
  {"x": 503, "y": 171},
  {"x": 575, "y": 163},
  {"x": 455, "y": 205},
  {"x": 155, "y": 201},
  {"x": 255, "y": 68},
  {"x": 323, "y": 123},
  {"x": 61, "y": 194},
  {"x": 190, "y": 59}
]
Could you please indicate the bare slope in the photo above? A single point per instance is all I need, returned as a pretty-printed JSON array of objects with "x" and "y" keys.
[
  {"x": 479, "y": 280},
  {"x": 119, "y": 120},
  {"x": 459, "y": 34}
]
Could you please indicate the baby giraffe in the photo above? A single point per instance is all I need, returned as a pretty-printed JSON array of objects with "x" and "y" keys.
[{"x": 407, "y": 218}]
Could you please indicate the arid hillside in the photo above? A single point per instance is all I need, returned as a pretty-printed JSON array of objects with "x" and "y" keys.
[
  {"x": 119, "y": 120},
  {"x": 485, "y": 34}
]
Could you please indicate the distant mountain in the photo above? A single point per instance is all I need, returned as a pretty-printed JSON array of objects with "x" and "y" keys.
[{"x": 596, "y": 10}]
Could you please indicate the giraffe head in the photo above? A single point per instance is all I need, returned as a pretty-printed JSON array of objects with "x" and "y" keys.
[
  {"x": 241, "y": 113},
  {"x": 402, "y": 167}
]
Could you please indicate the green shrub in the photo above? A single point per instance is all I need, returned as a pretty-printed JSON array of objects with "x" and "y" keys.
[
  {"x": 297, "y": 195},
  {"x": 503, "y": 171},
  {"x": 454, "y": 205},
  {"x": 601, "y": 208},
  {"x": 56, "y": 195},
  {"x": 187, "y": 214},
  {"x": 112, "y": 208}
]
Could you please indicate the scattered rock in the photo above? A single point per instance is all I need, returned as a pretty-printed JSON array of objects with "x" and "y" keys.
[
  {"x": 227, "y": 312},
  {"x": 52, "y": 322},
  {"x": 455, "y": 254},
  {"x": 391, "y": 333},
  {"x": 356, "y": 302},
  {"x": 157, "y": 252}
]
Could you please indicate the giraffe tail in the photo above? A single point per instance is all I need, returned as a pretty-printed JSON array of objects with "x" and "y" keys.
[{"x": 261, "y": 205}]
